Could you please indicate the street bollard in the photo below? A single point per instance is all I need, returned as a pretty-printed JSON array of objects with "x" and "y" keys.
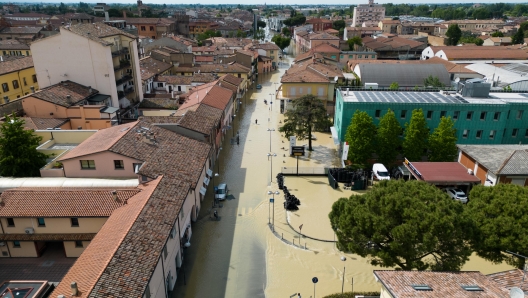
[
  {"x": 304, "y": 245},
  {"x": 282, "y": 236},
  {"x": 293, "y": 241}
]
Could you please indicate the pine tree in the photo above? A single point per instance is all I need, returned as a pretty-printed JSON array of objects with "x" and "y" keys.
[
  {"x": 442, "y": 142},
  {"x": 360, "y": 136},
  {"x": 415, "y": 138},
  {"x": 518, "y": 38},
  {"x": 453, "y": 34},
  {"x": 388, "y": 138}
]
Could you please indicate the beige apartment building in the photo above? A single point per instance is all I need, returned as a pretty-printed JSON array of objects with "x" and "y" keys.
[
  {"x": 371, "y": 13},
  {"x": 96, "y": 55}
]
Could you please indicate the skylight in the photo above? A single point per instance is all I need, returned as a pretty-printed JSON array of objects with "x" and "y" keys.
[
  {"x": 422, "y": 287},
  {"x": 472, "y": 288}
]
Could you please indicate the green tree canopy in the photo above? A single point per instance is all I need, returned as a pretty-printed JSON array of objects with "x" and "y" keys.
[
  {"x": 339, "y": 24},
  {"x": 18, "y": 150},
  {"x": 415, "y": 137},
  {"x": 308, "y": 112},
  {"x": 388, "y": 138},
  {"x": 394, "y": 86},
  {"x": 475, "y": 40},
  {"x": 453, "y": 34},
  {"x": 433, "y": 82},
  {"x": 518, "y": 38},
  {"x": 360, "y": 136},
  {"x": 280, "y": 41},
  {"x": 501, "y": 214},
  {"x": 442, "y": 142},
  {"x": 497, "y": 34},
  {"x": 408, "y": 225},
  {"x": 286, "y": 31},
  {"x": 356, "y": 40}
]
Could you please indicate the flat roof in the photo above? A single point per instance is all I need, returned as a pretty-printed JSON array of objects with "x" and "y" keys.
[
  {"x": 420, "y": 97},
  {"x": 441, "y": 173}
]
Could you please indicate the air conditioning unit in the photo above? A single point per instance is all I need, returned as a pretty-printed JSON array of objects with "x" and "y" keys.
[
  {"x": 29, "y": 231},
  {"x": 2, "y": 243}
]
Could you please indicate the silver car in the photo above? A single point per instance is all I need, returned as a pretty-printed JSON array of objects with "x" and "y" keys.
[{"x": 456, "y": 194}]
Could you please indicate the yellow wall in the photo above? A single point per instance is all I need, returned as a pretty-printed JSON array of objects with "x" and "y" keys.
[
  {"x": 57, "y": 225},
  {"x": 286, "y": 88},
  {"x": 72, "y": 251},
  {"x": 26, "y": 249},
  {"x": 23, "y": 88}
]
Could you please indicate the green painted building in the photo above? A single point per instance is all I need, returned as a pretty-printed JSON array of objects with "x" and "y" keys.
[{"x": 498, "y": 118}]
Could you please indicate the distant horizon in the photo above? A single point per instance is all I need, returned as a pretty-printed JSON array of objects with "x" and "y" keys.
[{"x": 272, "y": 2}]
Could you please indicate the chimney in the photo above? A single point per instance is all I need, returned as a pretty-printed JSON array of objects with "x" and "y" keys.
[
  {"x": 68, "y": 98},
  {"x": 149, "y": 138},
  {"x": 107, "y": 18},
  {"x": 74, "y": 289}
]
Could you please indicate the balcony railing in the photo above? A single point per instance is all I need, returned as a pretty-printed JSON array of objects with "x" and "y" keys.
[
  {"x": 122, "y": 94},
  {"x": 125, "y": 78},
  {"x": 120, "y": 52},
  {"x": 122, "y": 64}
]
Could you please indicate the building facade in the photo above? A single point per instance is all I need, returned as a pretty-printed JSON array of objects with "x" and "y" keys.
[
  {"x": 17, "y": 78},
  {"x": 370, "y": 13}
]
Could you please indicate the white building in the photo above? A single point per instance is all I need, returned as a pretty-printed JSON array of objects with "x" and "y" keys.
[
  {"x": 370, "y": 13},
  {"x": 96, "y": 55}
]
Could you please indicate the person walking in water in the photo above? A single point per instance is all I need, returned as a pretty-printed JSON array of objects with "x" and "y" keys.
[{"x": 256, "y": 120}]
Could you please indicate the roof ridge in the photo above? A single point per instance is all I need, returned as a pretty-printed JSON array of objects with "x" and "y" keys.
[{"x": 506, "y": 161}]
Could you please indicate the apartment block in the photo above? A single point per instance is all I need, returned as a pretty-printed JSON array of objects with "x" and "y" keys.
[
  {"x": 17, "y": 77},
  {"x": 371, "y": 13}
]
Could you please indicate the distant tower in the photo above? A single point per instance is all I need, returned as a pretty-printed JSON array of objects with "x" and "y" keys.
[{"x": 139, "y": 4}]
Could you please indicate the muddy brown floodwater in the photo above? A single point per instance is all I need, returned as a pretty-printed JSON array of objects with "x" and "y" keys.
[{"x": 238, "y": 255}]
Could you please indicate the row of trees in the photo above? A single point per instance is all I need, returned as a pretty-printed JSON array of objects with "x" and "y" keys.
[
  {"x": 385, "y": 140},
  {"x": 455, "y": 35},
  {"x": 458, "y": 11},
  {"x": 414, "y": 225}
]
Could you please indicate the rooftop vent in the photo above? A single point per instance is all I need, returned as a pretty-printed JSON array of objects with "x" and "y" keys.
[
  {"x": 472, "y": 288},
  {"x": 422, "y": 288}
]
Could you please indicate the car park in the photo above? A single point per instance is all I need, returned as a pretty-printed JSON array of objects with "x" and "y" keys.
[
  {"x": 456, "y": 194},
  {"x": 379, "y": 172}
]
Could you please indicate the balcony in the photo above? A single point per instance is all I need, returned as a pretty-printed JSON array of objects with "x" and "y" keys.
[
  {"x": 116, "y": 52},
  {"x": 122, "y": 64},
  {"x": 124, "y": 79},
  {"x": 123, "y": 94}
]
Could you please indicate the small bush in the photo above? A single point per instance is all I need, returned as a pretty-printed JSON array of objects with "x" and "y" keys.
[{"x": 352, "y": 294}]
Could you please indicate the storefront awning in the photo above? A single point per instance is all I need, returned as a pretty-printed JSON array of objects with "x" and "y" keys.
[
  {"x": 203, "y": 190},
  {"x": 206, "y": 181},
  {"x": 334, "y": 135},
  {"x": 209, "y": 173}
]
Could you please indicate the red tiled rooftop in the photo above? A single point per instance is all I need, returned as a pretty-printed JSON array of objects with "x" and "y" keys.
[{"x": 448, "y": 172}]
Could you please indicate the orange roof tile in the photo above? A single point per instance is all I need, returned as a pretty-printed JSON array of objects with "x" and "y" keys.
[{"x": 218, "y": 97}]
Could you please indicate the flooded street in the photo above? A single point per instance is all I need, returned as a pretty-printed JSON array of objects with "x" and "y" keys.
[{"x": 239, "y": 256}]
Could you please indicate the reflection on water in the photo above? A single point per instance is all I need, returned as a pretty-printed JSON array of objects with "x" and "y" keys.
[{"x": 238, "y": 256}]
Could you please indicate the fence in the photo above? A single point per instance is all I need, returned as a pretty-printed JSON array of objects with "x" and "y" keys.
[{"x": 304, "y": 171}]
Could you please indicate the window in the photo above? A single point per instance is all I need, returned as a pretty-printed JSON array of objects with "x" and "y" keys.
[
  {"x": 492, "y": 134},
  {"x": 422, "y": 288},
  {"x": 496, "y": 116},
  {"x": 25, "y": 82},
  {"x": 119, "y": 165},
  {"x": 292, "y": 91},
  {"x": 455, "y": 115},
  {"x": 88, "y": 164},
  {"x": 271, "y": 51},
  {"x": 34, "y": 78},
  {"x": 5, "y": 87},
  {"x": 160, "y": 85},
  {"x": 320, "y": 91},
  {"x": 16, "y": 244},
  {"x": 465, "y": 133},
  {"x": 27, "y": 53},
  {"x": 341, "y": 56},
  {"x": 483, "y": 115},
  {"x": 526, "y": 134},
  {"x": 74, "y": 222},
  {"x": 514, "y": 132},
  {"x": 469, "y": 115},
  {"x": 172, "y": 232},
  {"x": 78, "y": 243},
  {"x": 165, "y": 253},
  {"x": 142, "y": 28},
  {"x": 15, "y": 84},
  {"x": 429, "y": 115},
  {"x": 350, "y": 56},
  {"x": 378, "y": 112},
  {"x": 442, "y": 114},
  {"x": 333, "y": 56},
  {"x": 373, "y": 56},
  {"x": 10, "y": 222},
  {"x": 519, "y": 114},
  {"x": 41, "y": 222},
  {"x": 479, "y": 134},
  {"x": 403, "y": 114},
  {"x": 135, "y": 167},
  {"x": 151, "y": 28},
  {"x": 360, "y": 56}
]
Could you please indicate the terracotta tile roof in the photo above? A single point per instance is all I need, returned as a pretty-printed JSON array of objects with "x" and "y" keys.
[
  {"x": 324, "y": 35},
  {"x": 159, "y": 103},
  {"x": 147, "y": 21},
  {"x": 248, "y": 53},
  {"x": 216, "y": 68},
  {"x": 13, "y": 44},
  {"x": 218, "y": 97},
  {"x": 150, "y": 67},
  {"x": 310, "y": 72},
  {"x": 62, "y": 202},
  {"x": 47, "y": 237},
  {"x": 201, "y": 58},
  {"x": 443, "y": 284},
  {"x": 232, "y": 79},
  {"x": 493, "y": 53},
  {"x": 267, "y": 46},
  {"x": 203, "y": 120},
  {"x": 196, "y": 94},
  {"x": 58, "y": 93},
  {"x": 96, "y": 31},
  {"x": 43, "y": 123},
  {"x": 21, "y": 30},
  {"x": 89, "y": 267},
  {"x": 161, "y": 119},
  {"x": 100, "y": 141},
  {"x": 509, "y": 279},
  {"x": 15, "y": 63}
]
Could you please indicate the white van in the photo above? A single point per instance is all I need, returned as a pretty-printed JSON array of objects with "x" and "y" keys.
[{"x": 380, "y": 172}]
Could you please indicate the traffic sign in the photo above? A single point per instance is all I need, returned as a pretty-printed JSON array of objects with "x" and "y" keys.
[
  {"x": 315, "y": 280},
  {"x": 298, "y": 150}
]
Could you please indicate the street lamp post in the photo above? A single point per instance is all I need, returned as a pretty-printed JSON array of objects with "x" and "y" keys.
[
  {"x": 271, "y": 155},
  {"x": 273, "y": 193},
  {"x": 214, "y": 192},
  {"x": 270, "y": 130},
  {"x": 233, "y": 124},
  {"x": 218, "y": 159},
  {"x": 271, "y": 101},
  {"x": 343, "y": 283}
]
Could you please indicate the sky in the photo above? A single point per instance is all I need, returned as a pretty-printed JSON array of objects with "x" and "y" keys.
[{"x": 291, "y": 2}]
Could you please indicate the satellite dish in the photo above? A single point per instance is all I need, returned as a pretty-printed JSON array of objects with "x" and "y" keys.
[
  {"x": 335, "y": 79},
  {"x": 457, "y": 80},
  {"x": 515, "y": 292}
]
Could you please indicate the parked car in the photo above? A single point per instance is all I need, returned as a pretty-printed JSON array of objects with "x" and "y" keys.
[
  {"x": 379, "y": 171},
  {"x": 259, "y": 86},
  {"x": 221, "y": 191},
  {"x": 400, "y": 172},
  {"x": 456, "y": 194}
]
